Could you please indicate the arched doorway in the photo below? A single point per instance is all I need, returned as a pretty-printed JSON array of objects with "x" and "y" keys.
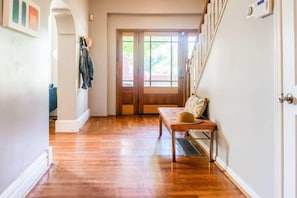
[{"x": 64, "y": 65}]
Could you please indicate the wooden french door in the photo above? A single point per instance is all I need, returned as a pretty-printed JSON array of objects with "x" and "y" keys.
[{"x": 150, "y": 71}]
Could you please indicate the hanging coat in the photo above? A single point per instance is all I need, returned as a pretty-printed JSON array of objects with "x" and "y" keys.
[{"x": 86, "y": 67}]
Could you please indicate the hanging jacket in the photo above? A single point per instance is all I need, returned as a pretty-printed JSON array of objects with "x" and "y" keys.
[{"x": 86, "y": 67}]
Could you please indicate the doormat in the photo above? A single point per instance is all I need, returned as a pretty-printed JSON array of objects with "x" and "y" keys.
[{"x": 188, "y": 148}]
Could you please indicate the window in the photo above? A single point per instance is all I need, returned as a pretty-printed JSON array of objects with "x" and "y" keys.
[
  {"x": 160, "y": 60},
  {"x": 128, "y": 60}
]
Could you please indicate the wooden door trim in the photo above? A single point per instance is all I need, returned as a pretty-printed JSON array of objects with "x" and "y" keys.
[{"x": 118, "y": 72}]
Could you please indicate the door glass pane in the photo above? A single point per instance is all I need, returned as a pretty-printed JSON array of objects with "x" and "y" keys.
[
  {"x": 174, "y": 64},
  {"x": 147, "y": 60},
  {"x": 160, "y": 61},
  {"x": 128, "y": 61}
]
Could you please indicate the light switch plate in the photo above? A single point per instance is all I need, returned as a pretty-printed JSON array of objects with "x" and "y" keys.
[{"x": 259, "y": 9}]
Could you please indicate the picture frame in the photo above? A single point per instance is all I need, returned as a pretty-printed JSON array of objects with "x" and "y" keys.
[{"x": 22, "y": 16}]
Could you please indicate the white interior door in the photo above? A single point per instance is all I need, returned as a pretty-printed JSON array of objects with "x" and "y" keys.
[{"x": 289, "y": 45}]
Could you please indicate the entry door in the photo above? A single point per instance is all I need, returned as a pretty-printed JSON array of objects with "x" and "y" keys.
[
  {"x": 289, "y": 21},
  {"x": 151, "y": 71}
]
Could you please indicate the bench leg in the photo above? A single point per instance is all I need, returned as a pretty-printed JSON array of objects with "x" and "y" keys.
[
  {"x": 211, "y": 146},
  {"x": 160, "y": 126},
  {"x": 173, "y": 146}
]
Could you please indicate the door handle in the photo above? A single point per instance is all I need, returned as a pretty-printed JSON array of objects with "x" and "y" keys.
[{"x": 288, "y": 98}]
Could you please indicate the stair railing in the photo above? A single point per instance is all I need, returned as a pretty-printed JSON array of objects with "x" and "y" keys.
[{"x": 210, "y": 21}]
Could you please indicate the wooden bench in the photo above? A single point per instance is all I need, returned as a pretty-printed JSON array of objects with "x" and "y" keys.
[{"x": 167, "y": 115}]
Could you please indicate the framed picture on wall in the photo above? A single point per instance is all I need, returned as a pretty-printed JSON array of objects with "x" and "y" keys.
[{"x": 22, "y": 15}]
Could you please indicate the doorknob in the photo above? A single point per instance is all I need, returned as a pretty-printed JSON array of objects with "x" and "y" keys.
[{"x": 288, "y": 98}]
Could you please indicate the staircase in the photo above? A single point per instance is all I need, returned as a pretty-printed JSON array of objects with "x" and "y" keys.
[{"x": 210, "y": 21}]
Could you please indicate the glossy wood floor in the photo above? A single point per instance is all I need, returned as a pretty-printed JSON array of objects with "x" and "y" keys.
[{"x": 123, "y": 157}]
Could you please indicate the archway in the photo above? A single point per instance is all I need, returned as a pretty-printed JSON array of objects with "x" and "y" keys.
[{"x": 64, "y": 62}]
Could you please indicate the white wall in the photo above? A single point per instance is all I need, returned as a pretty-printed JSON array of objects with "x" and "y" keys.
[
  {"x": 109, "y": 15},
  {"x": 239, "y": 81},
  {"x": 80, "y": 14},
  {"x": 24, "y": 74}
]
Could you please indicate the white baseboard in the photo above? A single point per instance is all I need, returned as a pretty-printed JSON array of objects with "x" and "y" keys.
[
  {"x": 27, "y": 180},
  {"x": 72, "y": 125},
  {"x": 83, "y": 118},
  {"x": 246, "y": 189},
  {"x": 237, "y": 180}
]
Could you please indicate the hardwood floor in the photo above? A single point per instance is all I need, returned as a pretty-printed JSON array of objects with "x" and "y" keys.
[{"x": 123, "y": 157}]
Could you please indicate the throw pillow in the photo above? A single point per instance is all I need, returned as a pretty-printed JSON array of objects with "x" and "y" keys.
[{"x": 196, "y": 105}]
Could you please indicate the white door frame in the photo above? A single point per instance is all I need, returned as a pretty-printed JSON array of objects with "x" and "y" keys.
[
  {"x": 278, "y": 116},
  {"x": 279, "y": 188},
  {"x": 278, "y": 84}
]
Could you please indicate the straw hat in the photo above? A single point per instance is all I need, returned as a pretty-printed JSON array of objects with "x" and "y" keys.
[
  {"x": 186, "y": 117},
  {"x": 88, "y": 41}
]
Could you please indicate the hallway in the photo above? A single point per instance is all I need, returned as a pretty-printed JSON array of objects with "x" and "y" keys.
[{"x": 123, "y": 157}]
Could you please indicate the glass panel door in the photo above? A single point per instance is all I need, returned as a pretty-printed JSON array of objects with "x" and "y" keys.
[{"x": 151, "y": 70}]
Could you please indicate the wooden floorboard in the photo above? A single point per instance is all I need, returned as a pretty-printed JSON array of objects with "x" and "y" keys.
[{"x": 123, "y": 157}]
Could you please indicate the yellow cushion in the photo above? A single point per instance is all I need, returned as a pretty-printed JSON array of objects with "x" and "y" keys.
[{"x": 196, "y": 105}]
